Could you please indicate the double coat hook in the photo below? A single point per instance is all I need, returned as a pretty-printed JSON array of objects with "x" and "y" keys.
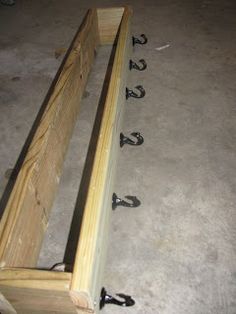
[
  {"x": 134, "y": 65},
  {"x": 108, "y": 299},
  {"x": 116, "y": 201},
  {"x": 131, "y": 93},
  {"x": 126, "y": 140},
  {"x": 142, "y": 41}
]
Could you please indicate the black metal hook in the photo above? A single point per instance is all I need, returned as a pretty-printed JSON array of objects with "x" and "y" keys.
[
  {"x": 134, "y": 65},
  {"x": 60, "y": 267},
  {"x": 116, "y": 201},
  {"x": 131, "y": 93},
  {"x": 126, "y": 140},
  {"x": 108, "y": 299},
  {"x": 138, "y": 41}
]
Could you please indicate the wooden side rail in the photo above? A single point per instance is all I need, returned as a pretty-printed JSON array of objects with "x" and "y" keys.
[
  {"x": 25, "y": 218},
  {"x": 26, "y": 215},
  {"x": 94, "y": 231}
]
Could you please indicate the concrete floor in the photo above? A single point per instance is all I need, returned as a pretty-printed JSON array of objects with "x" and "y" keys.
[{"x": 175, "y": 254}]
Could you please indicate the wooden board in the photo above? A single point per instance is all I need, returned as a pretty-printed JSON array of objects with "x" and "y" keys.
[
  {"x": 5, "y": 306},
  {"x": 91, "y": 251},
  {"x": 37, "y": 291},
  {"x": 109, "y": 20},
  {"x": 27, "y": 212},
  {"x": 26, "y": 216}
]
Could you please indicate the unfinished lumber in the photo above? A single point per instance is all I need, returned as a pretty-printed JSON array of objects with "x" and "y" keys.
[
  {"x": 37, "y": 291},
  {"x": 95, "y": 225},
  {"x": 25, "y": 219},
  {"x": 26, "y": 216},
  {"x": 108, "y": 24}
]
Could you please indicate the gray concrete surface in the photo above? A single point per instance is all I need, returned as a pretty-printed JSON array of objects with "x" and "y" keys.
[{"x": 176, "y": 253}]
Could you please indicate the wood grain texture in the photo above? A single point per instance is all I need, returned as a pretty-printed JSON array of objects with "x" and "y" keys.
[
  {"x": 33, "y": 278},
  {"x": 5, "y": 306},
  {"x": 37, "y": 291},
  {"x": 26, "y": 216},
  {"x": 27, "y": 212},
  {"x": 32, "y": 301},
  {"x": 91, "y": 251},
  {"x": 109, "y": 20}
]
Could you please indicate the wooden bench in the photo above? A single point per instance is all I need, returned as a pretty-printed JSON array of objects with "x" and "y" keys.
[{"x": 30, "y": 290}]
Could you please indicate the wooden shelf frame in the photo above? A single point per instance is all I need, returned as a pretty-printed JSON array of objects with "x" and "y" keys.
[{"x": 25, "y": 219}]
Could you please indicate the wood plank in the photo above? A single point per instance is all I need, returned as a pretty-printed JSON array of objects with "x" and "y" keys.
[
  {"x": 27, "y": 212},
  {"x": 5, "y": 306},
  {"x": 37, "y": 291},
  {"x": 34, "y": 278},
  {"x": 91, "y": 251},
  {"x": 33, "y": 291},
  {"x": 109, "y": 20},
  {"x": 29, "y": 301}
]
